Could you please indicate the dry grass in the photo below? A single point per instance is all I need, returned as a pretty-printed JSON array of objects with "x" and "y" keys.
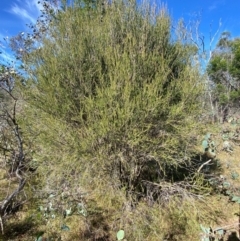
[{"x": 109, "y": 211}]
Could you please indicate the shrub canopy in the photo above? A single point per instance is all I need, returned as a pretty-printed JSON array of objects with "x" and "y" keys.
[{"x": 111, "y": 92}]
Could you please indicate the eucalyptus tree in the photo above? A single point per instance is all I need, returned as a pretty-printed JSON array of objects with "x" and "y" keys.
[{"x": 223, "y": 69}]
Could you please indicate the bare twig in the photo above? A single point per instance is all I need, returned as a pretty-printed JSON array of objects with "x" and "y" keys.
[
  {"x": 205, "y": 163},
  {"x": 18, "y": 162}
]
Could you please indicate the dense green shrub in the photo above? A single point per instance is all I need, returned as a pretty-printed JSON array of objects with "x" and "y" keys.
[{"x": 111, "y": 93}]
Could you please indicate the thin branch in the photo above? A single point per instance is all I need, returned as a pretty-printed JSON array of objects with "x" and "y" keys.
[
  {"x": 205, "y": 163},
  {"x": 1, "y": 224}
]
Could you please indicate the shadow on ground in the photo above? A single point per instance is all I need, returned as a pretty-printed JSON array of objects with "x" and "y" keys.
[
  {"x": 233, "y": 237},
  {"x": 17, "y": 229}
]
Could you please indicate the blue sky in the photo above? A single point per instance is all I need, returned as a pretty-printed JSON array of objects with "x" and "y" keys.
[
  {"x": 213, "y": 15},
  {"x": 210, "y": 12},
  {"x": 14, "y": 15}
]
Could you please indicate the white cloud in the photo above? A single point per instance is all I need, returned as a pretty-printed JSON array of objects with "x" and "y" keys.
[
  {"x": 27, "y": 10},
  {"x": 216, "y": 4},
  {"x": 6, "y": 57},
  {"x": 22, "y": 13}
]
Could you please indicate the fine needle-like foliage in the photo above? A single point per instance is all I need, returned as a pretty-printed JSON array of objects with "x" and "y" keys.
[
  {"x": 123, "y": 86},
  {"x": 112, "y": 98}
]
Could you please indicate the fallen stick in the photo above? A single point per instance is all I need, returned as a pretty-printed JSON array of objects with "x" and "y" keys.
[{"x": 205, "y": 163}]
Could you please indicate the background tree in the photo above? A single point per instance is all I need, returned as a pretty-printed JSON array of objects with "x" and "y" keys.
[{"x": 223, "y": 70}]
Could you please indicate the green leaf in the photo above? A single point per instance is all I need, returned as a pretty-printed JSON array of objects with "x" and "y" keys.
[
  {"x": 205, "y": 230},
  {"x": 208, "y": 135},
  {"x": 212, "y": 153},
  {"x": 235, "y": 199},
  {"x": 65, "y": 227},
  {"x": 220, "y": 232},
  {"x": 225, "y": 137},
  {"x": 81, "y": 209},
  {"x": 228, "y": 193},
  {"x": 206, "y": 239},
  {"x": 235, "y": 176},
  {"x": 204, "y": 144},
  {"x": 39, "y": 238},
  {"x": 212, "y": 144},
  {"x": 226, "y": 184},
  {"x": 68, "y": 211},
  {"x": 51, "y": 196},
  {"x": 212, "y": 182},
  {"x": 120, "y": 235}
]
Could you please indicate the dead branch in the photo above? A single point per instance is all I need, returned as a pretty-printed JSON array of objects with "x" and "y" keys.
[
  {"x": 15, "y": 152},
  {"x": 205, "y": 163}
]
